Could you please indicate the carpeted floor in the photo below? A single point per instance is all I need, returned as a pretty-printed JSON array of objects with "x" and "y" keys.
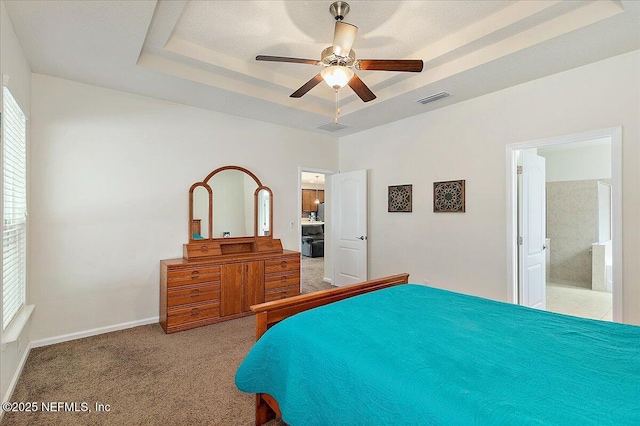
[
  {"x": 312, "y": 275},
  {"x": 145, "y": 376}
]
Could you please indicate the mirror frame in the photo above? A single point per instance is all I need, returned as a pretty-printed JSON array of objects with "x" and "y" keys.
[{"x": 205, "y": 184}]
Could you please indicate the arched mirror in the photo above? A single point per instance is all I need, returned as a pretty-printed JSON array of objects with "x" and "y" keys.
[
  {"x": 264, "y": 212},
  {"x": 200, "y": 224},
  {"x": 239, "y": 205}
]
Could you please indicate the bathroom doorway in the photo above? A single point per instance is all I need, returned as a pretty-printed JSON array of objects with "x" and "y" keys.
[
  {"x": 314, "y": 225},
  {"x": 579, "y": 272}
]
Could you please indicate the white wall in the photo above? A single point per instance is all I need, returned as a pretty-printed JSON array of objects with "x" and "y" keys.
[
  {"x": 467, "y": 252},
  {"x": 14, "y": 64},
  {"x": 110, "y": 176},
  {"x": 580, "y": 163}
]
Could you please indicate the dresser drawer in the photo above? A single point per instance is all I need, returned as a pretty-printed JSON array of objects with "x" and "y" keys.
[
  {"x": 182, "y": 277},
  {"x": 193, "y": 294},
  {"x": 193, "y": 313},
  {"x": 272, "y": 266},
  {"x": 283, "y": 279},
  {"x": 281, "y": 293}
]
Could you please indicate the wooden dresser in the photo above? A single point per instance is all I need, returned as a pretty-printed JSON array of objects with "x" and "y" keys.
[
  {"x": 229, "y": 263},
  {"x": 201, "y": 291}
]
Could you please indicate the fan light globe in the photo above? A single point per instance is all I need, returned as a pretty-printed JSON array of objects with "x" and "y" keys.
[{"x": 336, "y": 76}]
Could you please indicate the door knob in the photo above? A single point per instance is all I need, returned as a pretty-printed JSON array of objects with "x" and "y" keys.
[{"x": 362, "y": 237}]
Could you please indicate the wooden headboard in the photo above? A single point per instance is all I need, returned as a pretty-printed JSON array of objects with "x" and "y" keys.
[{"x": 270, "y": 313}]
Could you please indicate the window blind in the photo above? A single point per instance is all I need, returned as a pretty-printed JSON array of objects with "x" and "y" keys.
[{"x": 14, "y": 232}]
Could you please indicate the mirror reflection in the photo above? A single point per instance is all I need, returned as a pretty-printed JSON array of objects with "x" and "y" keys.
[
  {"x": 264, "y": 205},
  {"x": 200, "y": 221},
  {"x": 233, "y": 204}
]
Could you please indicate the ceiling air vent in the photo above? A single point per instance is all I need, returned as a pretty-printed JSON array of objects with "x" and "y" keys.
[
  {"x": 332, "y": 127},
  {"x": 433, "y": 97}
]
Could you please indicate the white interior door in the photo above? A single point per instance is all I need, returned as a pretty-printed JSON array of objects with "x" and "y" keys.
[
  {"x": 349, "y": 213},
  {"x": 531, "y": 209}
]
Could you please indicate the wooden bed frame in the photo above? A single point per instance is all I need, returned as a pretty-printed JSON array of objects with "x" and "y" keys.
[{"x": 270, "y": 313}]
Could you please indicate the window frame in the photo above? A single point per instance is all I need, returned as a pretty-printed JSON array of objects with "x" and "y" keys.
[{"x": 13, "y": 123}]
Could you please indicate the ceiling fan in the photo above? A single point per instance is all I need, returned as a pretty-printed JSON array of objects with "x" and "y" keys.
[{"x": 339, "y": 61}]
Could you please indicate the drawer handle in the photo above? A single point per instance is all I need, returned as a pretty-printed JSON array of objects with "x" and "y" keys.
[
  {"x": 195, "y": 274},
  {"x": 195, "y": 292},
  {"x": 283, "y": 264},
  {"x": 194, "y": 312},
  {"x": 204, "y": 249}
]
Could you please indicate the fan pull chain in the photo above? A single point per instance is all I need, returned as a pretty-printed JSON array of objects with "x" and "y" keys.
[{"x": 337, "y": 108}]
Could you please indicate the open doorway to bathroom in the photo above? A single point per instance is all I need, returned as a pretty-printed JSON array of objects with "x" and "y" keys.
[
  {"x": 578, "y": 268},
  {"x": 314, "y": 225},
  {"x": 578, "y": 257}
]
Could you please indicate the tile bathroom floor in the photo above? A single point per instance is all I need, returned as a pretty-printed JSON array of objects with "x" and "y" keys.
[{"x": 578, "y": 301}]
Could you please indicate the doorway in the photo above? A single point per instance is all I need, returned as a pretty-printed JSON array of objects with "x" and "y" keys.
[
  {"x": 313, "y": 226},
  {"x": 581, "y": 230}
]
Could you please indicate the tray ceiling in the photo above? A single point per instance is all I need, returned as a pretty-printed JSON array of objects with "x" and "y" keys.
[{"x": 201, "y": 53}]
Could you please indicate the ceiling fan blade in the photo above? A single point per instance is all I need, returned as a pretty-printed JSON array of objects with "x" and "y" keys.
[
  {"x": 307, "y": 86},
  {"x": 403, "y": 65},
  {"x": 286, "y": 59},
  {"x": 343, "y": 38},
  {"x": 361, "y": 89}
]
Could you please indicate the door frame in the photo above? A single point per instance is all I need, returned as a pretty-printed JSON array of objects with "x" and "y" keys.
[
  {"x": 615, "y": 133},
  {"x": 328, "y": 260}
]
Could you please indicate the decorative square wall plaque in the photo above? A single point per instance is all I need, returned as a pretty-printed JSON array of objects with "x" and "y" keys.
[
  {"x": 448, "y": 196},
  {"x": 400, "y": 198}
]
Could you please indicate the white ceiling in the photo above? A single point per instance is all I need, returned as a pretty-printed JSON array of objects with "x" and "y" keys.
[{"x": 201, "y": 53}]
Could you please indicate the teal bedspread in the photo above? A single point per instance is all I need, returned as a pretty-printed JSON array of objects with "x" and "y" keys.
[{"x": 415, "y": 355}]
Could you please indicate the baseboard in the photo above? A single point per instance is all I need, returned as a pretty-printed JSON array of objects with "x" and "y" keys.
[
  {"x": 92, "y": 332},
  {"x": 16, "y": 376},
  {"x": 327, "y": 280}
]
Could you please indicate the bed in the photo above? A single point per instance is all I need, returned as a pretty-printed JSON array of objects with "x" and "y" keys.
[{"x": 386, "y": 352}]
